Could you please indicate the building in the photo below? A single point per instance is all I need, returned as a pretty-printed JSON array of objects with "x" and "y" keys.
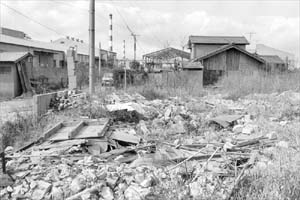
[
  {"x": 165, "y": 59},
  {"x": 227, "y": 59},
  {"x": 13, "y": 74},
  {"x": 108, "y": 59},
  {"x": 274, "y": 63},
  {"x": 288, "y": 58},
  {"x": 48, "y": 59},
  {"x": 202, "y": 45}
]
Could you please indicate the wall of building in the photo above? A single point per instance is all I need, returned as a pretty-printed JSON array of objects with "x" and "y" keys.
[
  {"x": 248, "y": 64},
  {"x": 50, "y": 65},
  {"x": 228, "y": 62},
  {"x": 217, "y": 62},
  {"x": 203, "y": 49},
  {"x": 9, "y": 81}
]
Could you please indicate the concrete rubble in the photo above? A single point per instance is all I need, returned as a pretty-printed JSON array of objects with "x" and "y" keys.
[{"x": 154, "y": 148}]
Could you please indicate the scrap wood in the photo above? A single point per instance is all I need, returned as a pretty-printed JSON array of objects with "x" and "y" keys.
[
  {"x": 60, "y": 144},
  {"x": 120, "y": 151},
  {"x": 209, "y": 159},
  {"x": 76, "y": 129},
  {"x": 53, "y": 155},
  {"x": 51, "y": 131},
  {"x": 225, "y": 120},
  {"x": 93, "y": 189},
  {"x": 185, "y": 160},
  {"x": 41, "y": 139},
  {"x": 237, "y": 181}
]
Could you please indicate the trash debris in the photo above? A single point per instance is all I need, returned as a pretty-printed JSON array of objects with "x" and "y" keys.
[{"x": 144, "y": 145}]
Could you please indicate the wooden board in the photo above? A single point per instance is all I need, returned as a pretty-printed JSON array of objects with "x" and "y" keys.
[{"x": 80, "y": 130}]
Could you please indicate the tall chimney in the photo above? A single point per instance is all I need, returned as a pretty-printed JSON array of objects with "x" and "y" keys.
[{"x": 110, "y": 33}]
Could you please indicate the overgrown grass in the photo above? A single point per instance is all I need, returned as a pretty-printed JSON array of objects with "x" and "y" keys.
[
  {"x": 24, "y": 129},
  {"x": 238, "y": 85},
  {"x": 170, "y": 84}
]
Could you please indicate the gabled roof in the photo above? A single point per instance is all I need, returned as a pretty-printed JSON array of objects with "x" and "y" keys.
[
  {"x": 217, "y": 40},
  {"x": 227, "y": 47},
  {"x": 168, "y": 53},
  {"x": 32, "y": 43},
  {"x": 272, "y": 59},
  {"x": 13, "y": 56}
]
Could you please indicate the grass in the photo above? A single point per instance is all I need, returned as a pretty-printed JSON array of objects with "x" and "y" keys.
[
  {"x": 239, "y": 85},
  {"x": 25, "y": 128},
  {"x": 169, "y": 84}
]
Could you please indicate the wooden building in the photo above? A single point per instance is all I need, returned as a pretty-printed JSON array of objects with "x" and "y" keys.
[
  {"x": 13, "y": 75},
  {"x": 274, "y": 63},
  {"x": 202, "y": 45},
  {"x": 227, "y": 59}
]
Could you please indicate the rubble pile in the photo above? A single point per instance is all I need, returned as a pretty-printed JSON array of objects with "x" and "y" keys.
[
  {"x": 161, "y": 149},
  {"x": 67, "y": 99}
]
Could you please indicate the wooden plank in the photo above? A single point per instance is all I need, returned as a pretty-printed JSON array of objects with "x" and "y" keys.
[
  {"x": 52, "y": 131},
  {"x": 76, "y": 129},
  {"x": 21, "y": 78},
  {"x": 62, "y": 133},
  {"x": 93, "y": 129}
]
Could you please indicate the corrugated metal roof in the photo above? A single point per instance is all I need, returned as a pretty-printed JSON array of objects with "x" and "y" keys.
[
  {"x": 13, "y": 56},
  {"x": 31, "y": 43},
  {"x": 218, "y": 40},
  {"x": 168, "y": 53},
  {"x": 227, "y": 47},
  {"x": 272, "y": 59}
]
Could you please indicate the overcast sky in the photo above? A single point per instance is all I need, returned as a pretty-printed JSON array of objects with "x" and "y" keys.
[{"x": 159, "y": 23}]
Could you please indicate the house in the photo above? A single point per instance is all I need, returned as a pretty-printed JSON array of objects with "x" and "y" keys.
[
  {"x": 108, "y": 59},
  {"x": 228, "y": 59},
  {"x": 13, "y": 75},
  {"x": 48, "y": 59},
  {"x": 165, "y": 59},
  {"x": 288, "y": 58},
  {"x": 274, "y": 63},
  {"x": 202, "y": 45}
]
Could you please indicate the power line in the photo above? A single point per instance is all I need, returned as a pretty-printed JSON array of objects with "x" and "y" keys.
[
  {"x": 147, "y": 25},
  {"x": 31, "y": 19}
]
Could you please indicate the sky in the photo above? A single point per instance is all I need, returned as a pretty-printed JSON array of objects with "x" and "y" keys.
[{"x": 158, "y": 24}]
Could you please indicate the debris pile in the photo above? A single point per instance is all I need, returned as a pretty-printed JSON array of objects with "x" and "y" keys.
[
  {"x": 67, "y": 99},
  {"x": 184, "y": 149}
]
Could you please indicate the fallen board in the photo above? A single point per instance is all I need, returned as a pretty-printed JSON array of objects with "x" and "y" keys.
[{"x": 80, "y": 130}]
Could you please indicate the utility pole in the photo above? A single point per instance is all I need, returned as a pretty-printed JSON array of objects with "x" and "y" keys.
[
  {"x": 125, "y": 74},
  {"x": 100, "y": 63},
  {"x": 92, "y": 47},
  {"x": 134, "y": 45}
]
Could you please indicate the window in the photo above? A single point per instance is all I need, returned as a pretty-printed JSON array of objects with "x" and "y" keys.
[
  {"x": 5, "y": 69},
  {"x": 61, "y": 63},
  {"x": 54, "y": 63}
]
